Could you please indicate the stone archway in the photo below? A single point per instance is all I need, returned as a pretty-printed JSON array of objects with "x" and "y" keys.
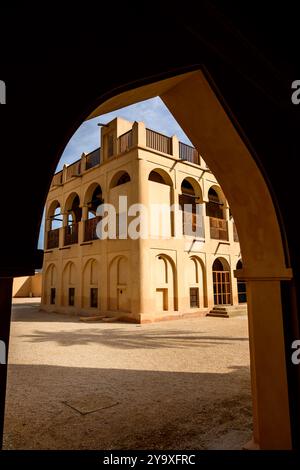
[{"x": 191, "y": 99}]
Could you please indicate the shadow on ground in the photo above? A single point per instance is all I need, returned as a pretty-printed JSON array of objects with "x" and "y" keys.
[
  {"x": 150, "y": 409},
  {"x": 119, "y": 338}
]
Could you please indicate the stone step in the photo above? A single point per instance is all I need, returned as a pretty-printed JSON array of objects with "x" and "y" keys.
[
  {"x": 227, "y": 311},
  {"x": 217, "y": 314}
]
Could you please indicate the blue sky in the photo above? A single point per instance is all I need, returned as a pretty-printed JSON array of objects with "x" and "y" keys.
[{"x": 152, "y": 112}]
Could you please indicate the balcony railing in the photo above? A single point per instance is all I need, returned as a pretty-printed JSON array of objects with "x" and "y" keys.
[
  {"x": 125, "y": 141},
  {"x": 158, "y": 141},
  {"x": 218, "y": 228},
  {"x": 188, "y": 153},
  {"x": 92, "y": 159},
  {"x": 71, "y": 234},
  {"x": 90, "y": 226},
  {"x": 192, "y": 224},
  {"x": 53, "y": 238},
  {"x": 235, "y": 234},
  {"x": 73, "y": 170}
]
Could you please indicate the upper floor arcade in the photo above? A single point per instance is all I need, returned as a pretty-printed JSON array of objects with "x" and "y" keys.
[{"x": 72, "y": 217}]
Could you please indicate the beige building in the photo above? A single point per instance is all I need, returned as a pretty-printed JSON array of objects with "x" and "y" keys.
[
  {"x": 28, "y": 286},
  {"x": 173, "y": 271}
]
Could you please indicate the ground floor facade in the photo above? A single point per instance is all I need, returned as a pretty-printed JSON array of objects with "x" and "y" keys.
[{"x": 142, "y": 281}]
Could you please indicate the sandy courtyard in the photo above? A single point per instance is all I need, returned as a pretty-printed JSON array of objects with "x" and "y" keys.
[{"x": 172, "y": 385}]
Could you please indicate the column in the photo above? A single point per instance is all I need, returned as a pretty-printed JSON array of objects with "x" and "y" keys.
[
  {"x": 271, "y": 421},
  {"x": 138, "y": 134},
  {"x": 81, "y": 228},
  {"x": 175, "y": 146}
]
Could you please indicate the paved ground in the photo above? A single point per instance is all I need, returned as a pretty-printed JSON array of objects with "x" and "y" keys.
[{"x": 183, "y": 384}]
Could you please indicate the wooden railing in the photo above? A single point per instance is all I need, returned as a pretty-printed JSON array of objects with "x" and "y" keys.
[
  {"x": 73, "y": 170},
  {"x": 192, "y": 224},
  {"x": 53, "y": 238},
  {"x": 71, "y": 234},
  {"x": 125, "y": 141},
  {"x": 90, "y": 226},
  {"x": 92, "y": 159},
  {"x": 188, "y": 153},
  {"x": 157, "y": 141},
  {"x": 218, "y": 228},
  {"x": 235, "y": 234}
]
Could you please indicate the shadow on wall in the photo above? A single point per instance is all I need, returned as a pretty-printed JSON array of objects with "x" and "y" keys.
[
  {"x": 148, "y": 409},
  {"x": 119, "y": 338},
  {"x": 28, "y": 286}
]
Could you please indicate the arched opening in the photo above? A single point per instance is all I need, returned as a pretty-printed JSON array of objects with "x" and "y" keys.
[
  {"x": 161, "y": 195},
  {"x": 190, "y": 201},
  {"x": 73, "y": 213},
  {"x": 215, "y": 210},
  {"x": 90, "y": 297},
  {"x": 166, "y": 284},
  {"x": 54, "y": 222},
  {"x": 214, "y": 206},
  {"x": 221, "y": 282},
  {"x": 241, "y": 285},
  {"x": 159, "y": 176},
  {"x": 121, "y": 177},
  {"x": 93, "y": 199}
]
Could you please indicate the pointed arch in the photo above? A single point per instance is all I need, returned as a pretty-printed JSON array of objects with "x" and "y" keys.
[
  {"x": 198, "y": 281},
  {"x": 69, "y": 284},
  {"x": 165, "y": 275},
  {"x": 90, "y": 283},
  {"x": 119, "y": 284}
]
